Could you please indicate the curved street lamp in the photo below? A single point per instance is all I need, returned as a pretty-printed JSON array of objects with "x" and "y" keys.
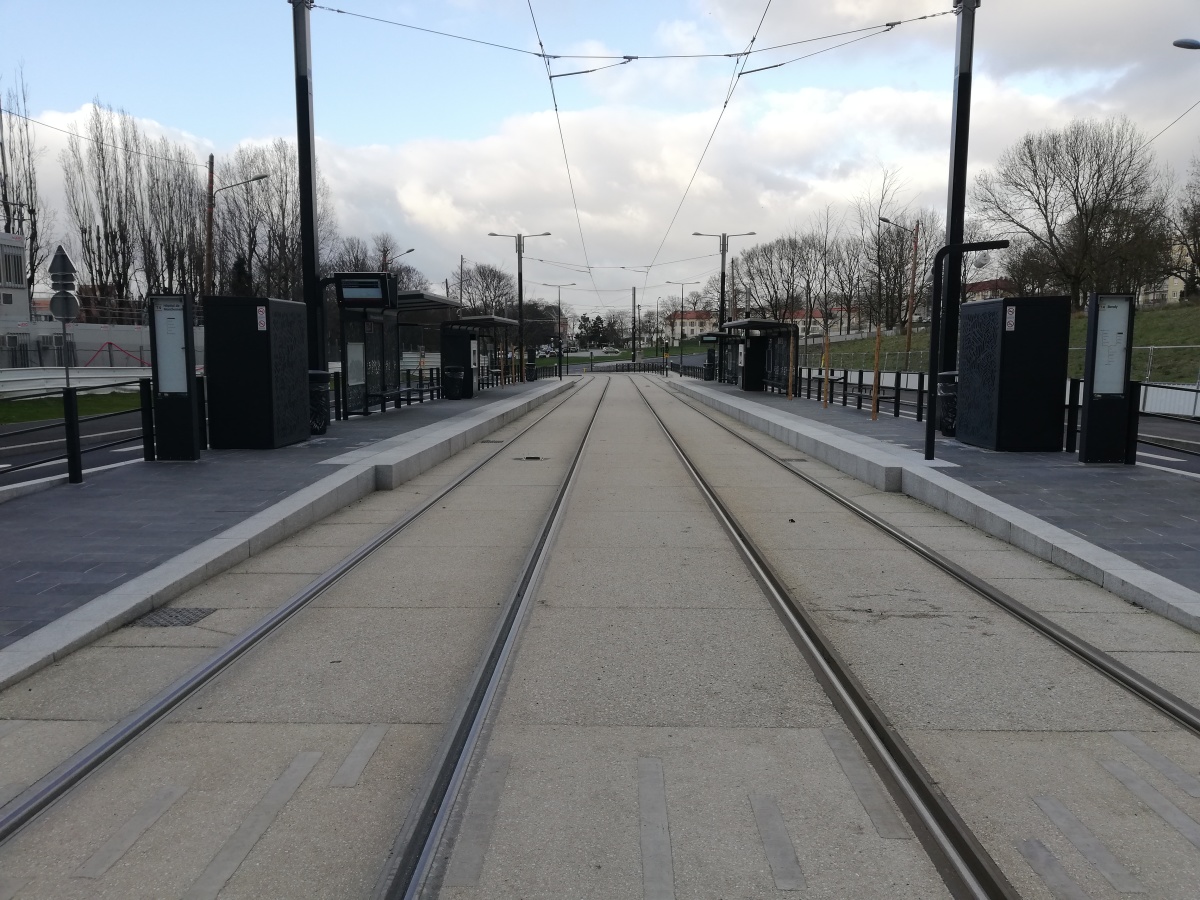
[{"x": 208, "y": 222}]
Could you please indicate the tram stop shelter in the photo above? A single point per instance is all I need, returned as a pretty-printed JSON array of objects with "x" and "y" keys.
[
  {"x": 476, "y": 354},
  {"x": 389, "y": 341},
  {"x": 760, "y": 354}
]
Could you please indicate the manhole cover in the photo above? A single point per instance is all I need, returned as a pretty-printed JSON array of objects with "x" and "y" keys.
[{"x": 173, "y": 617}]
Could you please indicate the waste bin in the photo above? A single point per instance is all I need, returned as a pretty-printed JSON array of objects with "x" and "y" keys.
[
  {"x": 453, "y": 378},
  {"x": 947, "y": 402}
]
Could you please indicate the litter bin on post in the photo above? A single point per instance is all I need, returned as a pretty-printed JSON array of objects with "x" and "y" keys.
[{"x": 453, "y": 380}]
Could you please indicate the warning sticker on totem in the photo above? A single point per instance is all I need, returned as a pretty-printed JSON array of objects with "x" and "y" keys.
[
  {"x": 1010, "y": 318},
  {"x": 262, "y": 318}
]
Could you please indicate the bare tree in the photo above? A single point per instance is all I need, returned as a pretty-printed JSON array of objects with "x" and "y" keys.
[
  {"x": 1090, "y": 197},
  {"x": 102, "y": 180},
  {"x": 19, "y": 195},
  {"x": 484, "y": 288}
]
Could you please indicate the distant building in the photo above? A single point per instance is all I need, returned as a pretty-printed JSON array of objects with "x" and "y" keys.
[
  {"x": 989, "y": 290},
  {"x": 689, "y": 324}
]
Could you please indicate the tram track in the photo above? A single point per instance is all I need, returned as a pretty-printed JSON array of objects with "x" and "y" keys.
[
  {"x": 967, "y": 868},
  {"x": 1146, "y": 689},
  {"x": 443, "y": 790},
  {"x": 56, "y": 785}
]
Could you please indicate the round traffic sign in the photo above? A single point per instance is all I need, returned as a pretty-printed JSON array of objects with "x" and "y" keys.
[{"x": 64, "y": 306}]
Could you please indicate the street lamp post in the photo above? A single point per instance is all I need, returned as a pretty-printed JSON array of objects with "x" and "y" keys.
[
  {"x": 724, "y": 237},
  {"x": 385, "y": 261},
  {"x": 912, "y": 283},
  {"x": 208, "y": 221},
  {"x": 520, "y": 239},
  {"x": 560, "y": 333},
  {"x": 682, "y": 286}
]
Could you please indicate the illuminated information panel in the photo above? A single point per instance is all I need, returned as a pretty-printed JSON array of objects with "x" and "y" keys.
[{"x": 1112, "y": 345}]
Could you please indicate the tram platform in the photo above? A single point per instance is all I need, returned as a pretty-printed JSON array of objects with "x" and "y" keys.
[
  {"x": 80, "y": 560},
  {"x": 1134, "y": 530}
]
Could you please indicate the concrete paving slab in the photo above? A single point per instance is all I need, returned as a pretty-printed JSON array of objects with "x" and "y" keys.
[
  {"x": 38, "y": 746},
  {"x": 289, "y": 559},
  {"x": 1062, "y": 595},
  {"x": 1130, "y": 631},
  {"x": 257, "y": 590},
  {"x": 325, "y": 842},
  {"x": 995, "y": 778},
  {"x": 686, "y": 577},
  {"x": 428, "y": 576},
  {"x": 80, "y": 687},
  {"x": 567, "y": 823},
  {"x": 332, "y": 667},
  {"x": 214, "y": 630},
  {"x": 977, "y": 672},
  {"x": 653, "y": 528},
  {"x": 661, "y": 667}
]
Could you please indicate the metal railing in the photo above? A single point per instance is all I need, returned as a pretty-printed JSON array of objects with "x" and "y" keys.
[{"x": 72, "y": 438}]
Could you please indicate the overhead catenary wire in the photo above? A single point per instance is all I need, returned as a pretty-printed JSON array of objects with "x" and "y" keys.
[
  {"x": 563, "y": 142},
  {"x": 623, "y": 57},
  {"x": 733, "y": 83},
  {"x": 84, "y": 137}
]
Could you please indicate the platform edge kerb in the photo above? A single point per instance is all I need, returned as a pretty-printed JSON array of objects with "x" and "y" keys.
[
  {"x": 259, "y": 532},
  {"x": 886, "y": 472}
]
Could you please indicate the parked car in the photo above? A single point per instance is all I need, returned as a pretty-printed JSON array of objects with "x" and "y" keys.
[{"x": 609, "y": 350}]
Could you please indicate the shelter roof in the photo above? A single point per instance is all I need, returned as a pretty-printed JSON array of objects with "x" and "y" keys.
[
  {"x": 478, "y": 322},
  {"x": 758, "y": 325}
]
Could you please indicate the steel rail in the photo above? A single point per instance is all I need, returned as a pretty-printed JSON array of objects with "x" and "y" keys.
[
  {"x": 1176, "y": 708},
  {"x": 964, "y": 864},
  {"x": 1142, "y": 440},
  {"x": 413, "y": 852},
  {"x": 25, "y": 807}
]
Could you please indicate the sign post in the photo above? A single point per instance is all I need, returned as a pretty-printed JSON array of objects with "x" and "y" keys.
[
  {"x": 173, "y": 355},
  {"x": 1108, "y": 427}
]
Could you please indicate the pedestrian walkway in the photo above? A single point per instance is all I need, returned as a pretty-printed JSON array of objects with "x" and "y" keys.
[
  {"x": 1144, "y": 514},
  {"x": 68, "y": 545}
]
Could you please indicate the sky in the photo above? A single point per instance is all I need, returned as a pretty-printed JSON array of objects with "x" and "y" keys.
[{"x": 440, "y": 141}]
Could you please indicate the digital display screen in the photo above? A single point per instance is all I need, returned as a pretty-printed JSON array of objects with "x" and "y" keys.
[{"x": 362, "y": 289}]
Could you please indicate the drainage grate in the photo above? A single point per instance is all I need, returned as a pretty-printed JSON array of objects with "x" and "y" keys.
[
  {"x": 530, "y": 458},
  {"x": 491, "y": 442},
  {"x": 173, "y": 617}
]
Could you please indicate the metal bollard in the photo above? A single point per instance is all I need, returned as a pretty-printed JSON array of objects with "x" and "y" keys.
[
  {"x": 896, "y": 409},
  {"x": 858, "y": 399},
  {"x": 146, "y": 391},
  {"x": 1073, "y": 415},
  {"x": 71, "y": 425},
  {"x": 920, "y": 396}
]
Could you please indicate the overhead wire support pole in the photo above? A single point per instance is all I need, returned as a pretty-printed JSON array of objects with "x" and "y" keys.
[
  {"x": 956, "y": 200},
  {"x": 318, "y": 365}
]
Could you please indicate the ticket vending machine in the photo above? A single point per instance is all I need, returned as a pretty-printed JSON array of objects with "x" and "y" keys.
[{"x": 1109, "y": 419}]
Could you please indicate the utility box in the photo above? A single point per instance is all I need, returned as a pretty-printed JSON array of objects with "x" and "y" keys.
[
  {"x": 256, "y": 366},
  {"x": 1012, "y": 373}
]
